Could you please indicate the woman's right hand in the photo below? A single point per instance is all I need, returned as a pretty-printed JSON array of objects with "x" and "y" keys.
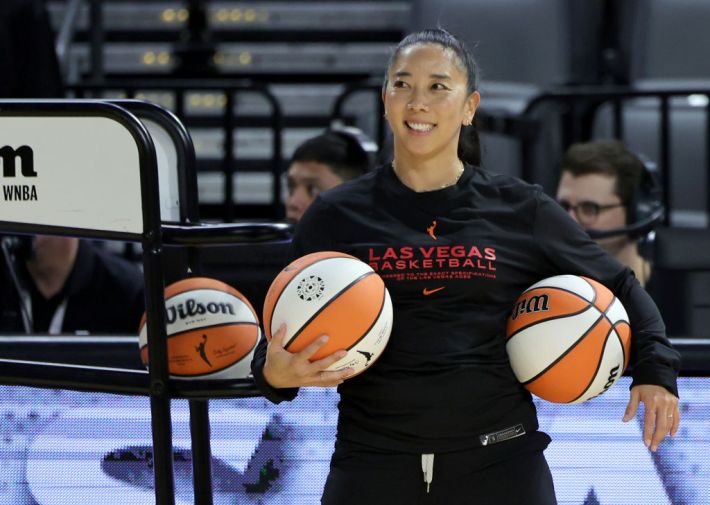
[{"x": 284, "y": 369}]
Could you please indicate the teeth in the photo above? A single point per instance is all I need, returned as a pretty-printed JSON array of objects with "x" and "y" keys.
[{"x": 422, "y": 127}]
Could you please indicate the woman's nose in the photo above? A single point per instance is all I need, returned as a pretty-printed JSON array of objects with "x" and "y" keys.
[{"x": 417, "y": 105}]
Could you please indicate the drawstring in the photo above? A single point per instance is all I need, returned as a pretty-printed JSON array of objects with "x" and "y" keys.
[{"x": 428, "y": 469}]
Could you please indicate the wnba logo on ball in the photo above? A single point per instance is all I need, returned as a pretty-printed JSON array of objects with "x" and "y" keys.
[
  {"x": 192, "y": 308},
  {"x": 310, "y": 288},
  {"x": 535, "y": 303}
]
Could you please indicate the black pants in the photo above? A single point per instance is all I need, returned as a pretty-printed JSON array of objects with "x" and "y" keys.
[{"x": 509, "y": 473}]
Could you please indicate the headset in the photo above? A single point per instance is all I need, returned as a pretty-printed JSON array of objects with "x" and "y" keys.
[
  {"x": 645, "y": 210},
  {"x": 363, "y": 146}
]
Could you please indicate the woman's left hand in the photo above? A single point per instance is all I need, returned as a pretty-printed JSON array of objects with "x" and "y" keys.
[{"x": 661, "y": 415}]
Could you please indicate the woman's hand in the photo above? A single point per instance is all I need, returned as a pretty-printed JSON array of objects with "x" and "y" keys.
[
  {"x": 661, "y": 415},
  {"x": 284, "y": 369}
]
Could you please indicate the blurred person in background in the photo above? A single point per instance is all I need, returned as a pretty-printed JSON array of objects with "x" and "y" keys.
[
  {"x": 58, "y": 285},
  {"x": 600, "y": 187},
  {"x": 322, "y": 163}
]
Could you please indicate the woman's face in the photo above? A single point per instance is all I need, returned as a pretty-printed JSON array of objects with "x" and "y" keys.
[{"x": 426, "y": 100}]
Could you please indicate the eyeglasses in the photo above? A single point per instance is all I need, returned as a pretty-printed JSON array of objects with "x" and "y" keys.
[{"x": 587, "y": 212}]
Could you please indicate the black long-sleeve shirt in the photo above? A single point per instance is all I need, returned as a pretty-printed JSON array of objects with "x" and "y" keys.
[{"x": 454, "y": 261}]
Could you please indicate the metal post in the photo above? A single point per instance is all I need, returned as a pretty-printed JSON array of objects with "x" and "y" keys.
[{"x": 201, "y": 452}]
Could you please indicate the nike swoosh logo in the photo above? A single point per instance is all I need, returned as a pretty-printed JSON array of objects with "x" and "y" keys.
[{"x": 427, "y": 292}]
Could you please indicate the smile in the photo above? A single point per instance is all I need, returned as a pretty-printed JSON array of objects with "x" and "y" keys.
[{"x": 420, "y": 127}]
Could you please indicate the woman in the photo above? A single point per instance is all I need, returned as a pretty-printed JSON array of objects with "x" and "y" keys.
[{"x": 455, "y": 246}]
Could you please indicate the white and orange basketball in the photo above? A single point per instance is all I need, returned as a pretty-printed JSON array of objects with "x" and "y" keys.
[
  {"x": 568, "y": 339},
  {"x": 212, "y": 330},
  {"x": 335, "y": 294}
]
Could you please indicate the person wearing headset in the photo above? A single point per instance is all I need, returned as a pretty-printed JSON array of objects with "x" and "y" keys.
[
  {"x": 320, "y": 163},
  {"x": 610, "y": 192},
  {"x": 54, "y": 285},
  {"x": 323, "y": 162}
]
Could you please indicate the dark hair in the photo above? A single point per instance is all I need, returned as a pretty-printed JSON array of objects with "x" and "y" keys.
[
  {"x": 607, "y": 157},
  {"x": 469, "y": 149},
  {"x": 341, "y": 153}
]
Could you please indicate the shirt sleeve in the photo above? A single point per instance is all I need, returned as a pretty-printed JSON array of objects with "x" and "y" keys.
[
  {"x": 310, "y": 236},
  {"x": 569, "y": 249}
]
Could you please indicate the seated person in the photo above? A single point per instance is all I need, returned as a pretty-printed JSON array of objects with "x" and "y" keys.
[
  {"x": 318, "y": 164},
  {"x": 58, "y": 285},
  {"x": 599, "y": 184},
  {"x": 321, "y": 163}
]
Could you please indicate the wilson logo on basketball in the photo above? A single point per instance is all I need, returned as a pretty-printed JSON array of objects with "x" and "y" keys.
[
  {"x": 192, "y": 308},
  {"x": 536, "y": 303},
  {"x": 613, "y": 375},
  {"x": 310, "y": 288}
]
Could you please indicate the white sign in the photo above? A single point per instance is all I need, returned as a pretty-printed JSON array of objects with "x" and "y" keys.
[{"x": 78, "y": 172}]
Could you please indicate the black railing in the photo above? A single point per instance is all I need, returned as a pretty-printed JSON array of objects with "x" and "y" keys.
[
  {"x": 575, "y": 110},
  {"x": 581, "y": 105},
  {"x": 156, "y": 383},
  {"x": 227, "y": 122}
]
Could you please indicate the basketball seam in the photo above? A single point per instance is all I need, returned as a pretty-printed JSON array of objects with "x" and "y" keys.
[
  {"x": 567, "y": 351},
  {"x": 599, "y": 363},
  {"x": 594, "y": 289},
  {"x": 613, "y": 325},
  {"x": 374, "y": 360},
  {"x": 621, "y": 343},
  {"x": 231, "y": 323},
  {"x": 292, "y": 279},
  {"x": 564, "y": 290},
  {"x": 222, "y": 287},
  {"x": 325, "y": 305},
  {"x": 374, "y": 321},
  {"x": 533, "y": 323}
]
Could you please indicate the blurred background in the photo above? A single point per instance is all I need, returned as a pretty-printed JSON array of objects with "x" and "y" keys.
[{"x": 254, "y": 79}]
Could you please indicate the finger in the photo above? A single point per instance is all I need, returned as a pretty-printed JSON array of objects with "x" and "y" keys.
[
  {"x": 663, "y": 423},
  {"x": 314, "y": 347},
  {"x": 333, "y": 377},
  {"x": 676, "y": 420},
  {"x": 649, "y": 423},
  {"x": 277, "y": 339},
  {"x": 326, "y": 362},
  {"x": 632, "y": 406}
]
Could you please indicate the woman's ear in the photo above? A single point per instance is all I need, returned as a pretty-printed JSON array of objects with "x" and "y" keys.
[{"x": 472, "y": 103}]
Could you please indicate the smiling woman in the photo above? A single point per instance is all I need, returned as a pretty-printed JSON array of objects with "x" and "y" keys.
[
  {"x": 440, "y": 417},
  {"x": 429, "y": 95}
]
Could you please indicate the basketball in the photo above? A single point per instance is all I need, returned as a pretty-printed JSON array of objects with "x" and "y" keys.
[
  {"x": 212, "y": 330},
  {"x": 334, "y": 294},
  {"x": 568, "y": 339}
]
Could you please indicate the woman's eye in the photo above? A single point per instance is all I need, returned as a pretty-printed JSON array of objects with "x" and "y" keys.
[
  {"x": 438, "y": 86},
  {"x": 398, "y": 84}
]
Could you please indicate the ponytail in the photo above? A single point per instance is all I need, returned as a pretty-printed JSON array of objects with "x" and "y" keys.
[{"x": 469, "y": 150}]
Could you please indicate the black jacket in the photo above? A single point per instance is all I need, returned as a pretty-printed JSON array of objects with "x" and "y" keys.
[{"x": 104, "y": 295}]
